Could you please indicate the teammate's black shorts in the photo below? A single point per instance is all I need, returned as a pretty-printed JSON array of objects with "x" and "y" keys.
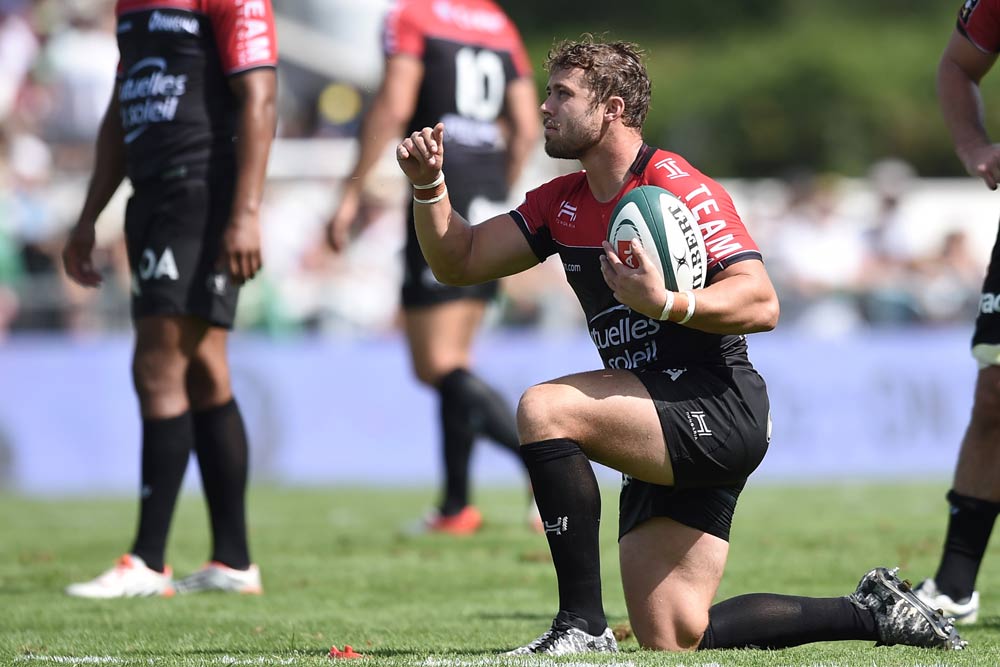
[
  {"x": 173, "y": 231},
  {"x": 986, "y": 338},
  {"x": 480, "y": 180},
  {"x": 716, "y": 423}
]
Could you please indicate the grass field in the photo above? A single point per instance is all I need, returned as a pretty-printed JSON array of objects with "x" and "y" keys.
[{"x": 338, "y": 570}]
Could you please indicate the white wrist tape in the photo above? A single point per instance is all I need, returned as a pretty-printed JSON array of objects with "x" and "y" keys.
[
  {"x": 437, "y": 181},
  {"x": 691, "y": 306},
  {"x": 668, "y": 306},
  {"x": 432, "y": 200}
]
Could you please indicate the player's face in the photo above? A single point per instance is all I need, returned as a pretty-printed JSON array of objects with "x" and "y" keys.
[{"x": 572, "y": 122}]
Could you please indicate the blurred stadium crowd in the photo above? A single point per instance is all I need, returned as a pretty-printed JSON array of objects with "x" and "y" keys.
[{"x": 844, "y": 252}]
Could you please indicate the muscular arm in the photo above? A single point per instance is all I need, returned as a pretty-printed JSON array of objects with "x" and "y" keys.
[
  {"x": 960, "y": 71},
  {"x": 457, "y": 252},
  {"x": 256, "y": 91},
  {"x": 109, "y": 171},
  {"x": 739, "y": 300},
  {"x": 525, "y": 126},
  {"x": 385, "y": 121}
]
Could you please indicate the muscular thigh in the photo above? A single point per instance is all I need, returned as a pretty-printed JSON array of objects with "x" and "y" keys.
[
  {"x": 609, "y": 413},
  {"x": 670, "y": 573}
]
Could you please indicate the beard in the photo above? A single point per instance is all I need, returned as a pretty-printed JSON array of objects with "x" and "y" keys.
[{"x": 572, "y": 142}]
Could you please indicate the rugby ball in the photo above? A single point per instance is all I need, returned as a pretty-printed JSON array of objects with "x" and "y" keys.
[{"x": 667, "y": 231}]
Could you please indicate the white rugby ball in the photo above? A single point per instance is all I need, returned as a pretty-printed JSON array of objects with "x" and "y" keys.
[{"x": 668, "y": 232}]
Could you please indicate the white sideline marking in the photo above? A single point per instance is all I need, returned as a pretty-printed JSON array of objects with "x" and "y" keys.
[
  {"x": 507, "y": 661},
  {"x": 112, "y": 660}
]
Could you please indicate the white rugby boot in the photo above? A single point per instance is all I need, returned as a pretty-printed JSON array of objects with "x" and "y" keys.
[
  {"x": 215, "y": 576},
  {"x": 130, "y": 577},
  {"x": 964, "y": 613}
]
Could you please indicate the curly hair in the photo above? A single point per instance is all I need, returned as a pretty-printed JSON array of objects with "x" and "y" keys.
[{"x": 609, "y": 69}]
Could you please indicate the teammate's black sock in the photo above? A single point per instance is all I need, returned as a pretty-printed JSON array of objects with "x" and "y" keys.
[
  {"x": 969, "y": 528},
  {"x": 221, "y": 443},
  {"x": 469, "y": 408},
  {"x": 770, "y": 621},
  {"x": 166, "y": 447},
  {"x": 488, "y": 413},
  {"x": 458, "y": 436},
  {"x": 569, "y": 501}
]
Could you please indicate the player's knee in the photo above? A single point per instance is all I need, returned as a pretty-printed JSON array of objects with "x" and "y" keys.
[
  {"x": 682, "y": 632},
  {"x": 541, "y": 413},
  {"x": 156, "y": 374},
  {"x": 207, "y": 382}
]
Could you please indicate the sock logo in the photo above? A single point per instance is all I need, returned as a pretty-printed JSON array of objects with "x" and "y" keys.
[{"x": 559, "y": 526}]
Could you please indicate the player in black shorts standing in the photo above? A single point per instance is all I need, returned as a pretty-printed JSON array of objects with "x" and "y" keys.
[
  {"x": 190, "y": 124},
  {"x": 678, "y": 408},
  {"x": 974, "y": 497},
  {"x": 462, "y": 62}
]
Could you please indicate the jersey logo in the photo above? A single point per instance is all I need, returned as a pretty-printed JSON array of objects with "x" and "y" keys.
[
  {"x": 173, "y": 23},
  {"x": 669, "y": 165},
  {"x": 967, "y": 10},
  {"x": 567, "y": 211}
]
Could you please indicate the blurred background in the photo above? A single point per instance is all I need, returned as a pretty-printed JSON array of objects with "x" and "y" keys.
[{"x": 819, "y": 117}]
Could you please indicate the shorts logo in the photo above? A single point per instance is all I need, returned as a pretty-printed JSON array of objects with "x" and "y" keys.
[
  {"x": 217, "y": 283},
  {"x": 559, "y": 526},
  {"x": 989, "y": 304},
  {"x": 698, "y": 426},
  {"x": 152, "y": 268}
]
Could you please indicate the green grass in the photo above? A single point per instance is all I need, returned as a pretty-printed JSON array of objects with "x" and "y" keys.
[{"x": 337, "y": 570}]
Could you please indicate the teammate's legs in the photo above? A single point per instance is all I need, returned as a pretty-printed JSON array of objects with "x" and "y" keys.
[
  {"x": 974, "y": 498},
  {"x": 440, "y": 338},
  {"x": 221, "y": 446},
  {"x": 163, "y": 349}
]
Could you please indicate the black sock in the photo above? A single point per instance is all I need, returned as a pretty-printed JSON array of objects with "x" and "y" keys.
[
  {"x": 166, "y": 448},
  {"x": 969, "y": 527},
  {"x": 221, "y": 443},
  {"x": 770, "y": 621},
  {"x": 569, "y": 501},
  {"x": 469, "y": 408},
  {"x": 458, "y": 437}
]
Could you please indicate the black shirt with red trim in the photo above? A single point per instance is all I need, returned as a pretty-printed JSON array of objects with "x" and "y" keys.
[
  {"x": 470, "y": 51},
  {"x": 563, "y": 217},
  {"x": 177, "y": 109}
]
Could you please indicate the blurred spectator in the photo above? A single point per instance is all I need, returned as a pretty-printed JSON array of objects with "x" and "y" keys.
[
  {"x": 18, "y": 48},
  {"x": 818, "y": 257}
]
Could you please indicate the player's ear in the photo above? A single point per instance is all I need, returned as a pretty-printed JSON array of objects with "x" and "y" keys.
[{"x": 614, "y": 108}]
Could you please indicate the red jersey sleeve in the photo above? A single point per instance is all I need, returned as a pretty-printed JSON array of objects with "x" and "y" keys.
[
  {"x": 244, "y": 32},
  {"x": 403, "y": 32},
  {"x": 979, "y": 20},
  {"x": 532, "y": 217},
  {"x": 727, "y": 240}
]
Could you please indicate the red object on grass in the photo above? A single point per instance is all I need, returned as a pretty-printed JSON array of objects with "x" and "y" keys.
[{"x": 348, "y": 652}]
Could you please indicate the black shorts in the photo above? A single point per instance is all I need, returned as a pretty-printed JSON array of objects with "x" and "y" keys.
[
  {"x": 986, "y": 338},
  {"x": 471, "y": 185},
  {"x": 716, "y": 423},
  {"x": 173, "y": 231}
]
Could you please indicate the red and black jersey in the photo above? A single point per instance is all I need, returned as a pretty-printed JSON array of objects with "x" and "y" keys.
[
  {"x": 563, "y": 217},
  {"x": 175, "y": 57},
  {"x": 470, "y": 51},
  {"x": 979, "y": 21}
]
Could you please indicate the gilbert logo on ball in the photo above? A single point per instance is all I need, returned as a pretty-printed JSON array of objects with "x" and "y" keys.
[{"x": 668, "y": 232}]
